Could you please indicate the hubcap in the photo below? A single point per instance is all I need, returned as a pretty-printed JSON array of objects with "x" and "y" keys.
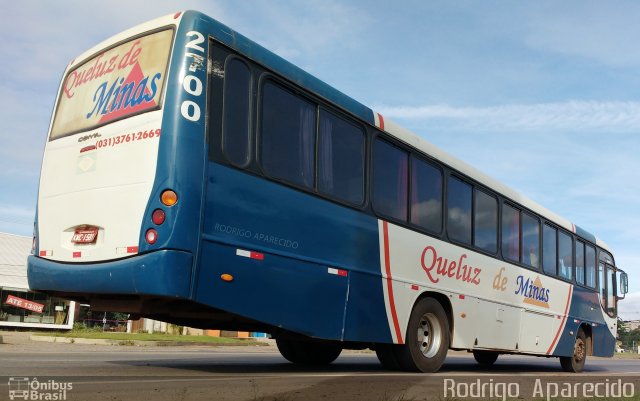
[
  {"x": 579, "y": 351},
  {"x": 429, "y": 335}
]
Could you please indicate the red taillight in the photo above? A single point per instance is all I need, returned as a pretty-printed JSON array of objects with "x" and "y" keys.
[
  {"x": 151, "y": 236},
  {"x": 158, "y": 217}
]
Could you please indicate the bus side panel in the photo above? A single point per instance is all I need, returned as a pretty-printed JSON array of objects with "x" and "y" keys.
[
  {"x": 296, "y": 295},
  {"x": 302, "y": 232},
  {"x": 586, "y": 309},
  {"x": 366, "y": 318}
]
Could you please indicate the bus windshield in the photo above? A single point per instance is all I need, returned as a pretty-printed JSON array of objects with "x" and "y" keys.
[{"x": 116, "y": 83}]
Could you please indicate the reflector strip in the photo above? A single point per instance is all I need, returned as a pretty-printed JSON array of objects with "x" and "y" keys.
[
  {"x": 338, "y": 272},
  {"x": 127, "y": 249},
  {"x": 46, "y": 253},
  {"x": 414, "y": 287},
  {"x": 250, "y": 254},
  {"x": 77, "y": 254},
  {"x": 461, "y": 296}
]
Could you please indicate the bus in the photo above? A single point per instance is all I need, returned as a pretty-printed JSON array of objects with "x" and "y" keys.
[{"x": 194, "y": 177}]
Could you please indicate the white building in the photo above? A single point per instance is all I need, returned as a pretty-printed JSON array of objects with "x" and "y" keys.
[{"x": 20, "y": 307}]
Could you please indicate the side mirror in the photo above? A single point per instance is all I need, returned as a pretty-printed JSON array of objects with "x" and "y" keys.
[{"x": 624, "y": 284}]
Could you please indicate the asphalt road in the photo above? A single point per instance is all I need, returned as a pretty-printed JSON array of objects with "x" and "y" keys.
[{"x": 259, "y": 373}]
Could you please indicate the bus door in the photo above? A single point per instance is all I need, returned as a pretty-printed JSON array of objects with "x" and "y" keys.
[{"x": 607, "y": 288}]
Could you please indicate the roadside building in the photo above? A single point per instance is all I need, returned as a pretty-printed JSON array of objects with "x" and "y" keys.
[
  {"x": 20, "y": 307},
  {"x": 632, "y": 324}
]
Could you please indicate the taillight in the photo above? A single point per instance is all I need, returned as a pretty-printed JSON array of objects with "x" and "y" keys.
[
  {"x": 169, "y": 198},
  {"x": 158, "y": 217},
  {"x": 151, "y": 236}
]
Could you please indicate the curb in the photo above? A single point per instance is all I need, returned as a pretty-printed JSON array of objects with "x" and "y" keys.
[{"x": 140, "y": 343}]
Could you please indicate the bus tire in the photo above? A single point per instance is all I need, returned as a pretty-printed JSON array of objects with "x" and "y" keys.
[
  {"x": 307, "y": 352},
  {"x": 575, "y": 363},
  {"x": 427, "y": 339},
  {"x": 387, "y": 356},
  {"x": 485, "y": 358}
]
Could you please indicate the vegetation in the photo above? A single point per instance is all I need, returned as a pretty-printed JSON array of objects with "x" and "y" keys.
[
  {"x": 630, "y": 339},
  {"x": 130, "y": 337}
]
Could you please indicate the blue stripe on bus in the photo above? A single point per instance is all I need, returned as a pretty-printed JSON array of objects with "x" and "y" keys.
[
  {"x": 585, "y": 234},
  {"x": 247, "y": 212}
]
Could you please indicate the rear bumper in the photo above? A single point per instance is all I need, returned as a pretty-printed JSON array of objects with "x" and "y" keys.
[{"x": 163, "y": 273}]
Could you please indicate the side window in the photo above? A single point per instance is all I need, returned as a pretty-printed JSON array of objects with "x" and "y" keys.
[
  {"x": 530, "y": 240},
  {"x": 580, "y": 262},
  {"x": 236, "y": 112},
  {"x": 340, "y": 159},
  {"x": 485, "y": 226},
  {"x": 510, "y": 232},
  {"x": 459, "y": 210},
  {"x": 590, "y": 257},
  {"x": 390, "y": 180},
  {"x": 549, "y": 251},
  {"x": 287, "y": 140},
  {"x": 565, "y": 255},
  {"x": 426, "y": 195}
]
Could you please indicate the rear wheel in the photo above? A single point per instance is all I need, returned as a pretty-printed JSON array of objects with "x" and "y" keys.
[
  {"x": 308, "y": 352},
  {"x": 427, "y": 340},
  {"x": 575, "y": 363},
  {"x": 485, "y": 358}
]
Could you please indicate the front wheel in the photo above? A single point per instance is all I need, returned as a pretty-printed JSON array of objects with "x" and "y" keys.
[
  {"x": 427, "y": 340},
  {"x": 308, "y": 352},
  {"x": 575, "y": 363}
]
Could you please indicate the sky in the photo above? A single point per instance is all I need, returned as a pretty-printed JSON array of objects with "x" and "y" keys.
[{"x": 543, "y": 96}]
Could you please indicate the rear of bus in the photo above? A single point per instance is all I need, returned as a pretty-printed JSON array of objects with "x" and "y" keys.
[{"x": 120, "y": 190}]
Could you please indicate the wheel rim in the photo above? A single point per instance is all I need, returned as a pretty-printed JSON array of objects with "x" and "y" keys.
[
  {"x": 429, "y": 336},
  {"x": 579, "y": 350}
]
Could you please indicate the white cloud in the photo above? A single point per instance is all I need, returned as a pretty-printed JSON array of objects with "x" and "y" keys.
[{"x": 570, "y": 115}]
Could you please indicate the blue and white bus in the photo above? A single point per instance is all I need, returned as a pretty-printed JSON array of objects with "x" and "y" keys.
[{"x": 194, "y": 177}]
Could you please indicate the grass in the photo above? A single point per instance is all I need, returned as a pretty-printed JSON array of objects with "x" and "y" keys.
[{"x": 154, "y": 337}]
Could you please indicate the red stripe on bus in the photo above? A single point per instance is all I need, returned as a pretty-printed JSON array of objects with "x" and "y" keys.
[
  {"x": 564, "y": 318},
  {"x": 380, "y": 121},
  {"x": 387, "y": 265}
]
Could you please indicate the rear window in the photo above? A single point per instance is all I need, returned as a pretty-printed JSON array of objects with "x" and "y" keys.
[{"x": 121, "y": 81}]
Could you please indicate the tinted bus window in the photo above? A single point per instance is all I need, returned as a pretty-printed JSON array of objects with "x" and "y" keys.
[
  {"x": 590, "y": 266},
  {"x": 287, "y": 135},
  {"x": 549, "y": 251},
  {"x": 340, "y": 159},
  {"x": 486, "y": 222},
  {"x": 580, "y": 262},
  {"x": 530, "y": 241},
  {"x": 459, "y": 210},
  {"x": 565, "y": 255},
  {"x": 510, "y": 232},
  {"x": 236, "y": 112},
  {"x": 426, "y": 195},
  {"x": 390, "y": 180}
]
